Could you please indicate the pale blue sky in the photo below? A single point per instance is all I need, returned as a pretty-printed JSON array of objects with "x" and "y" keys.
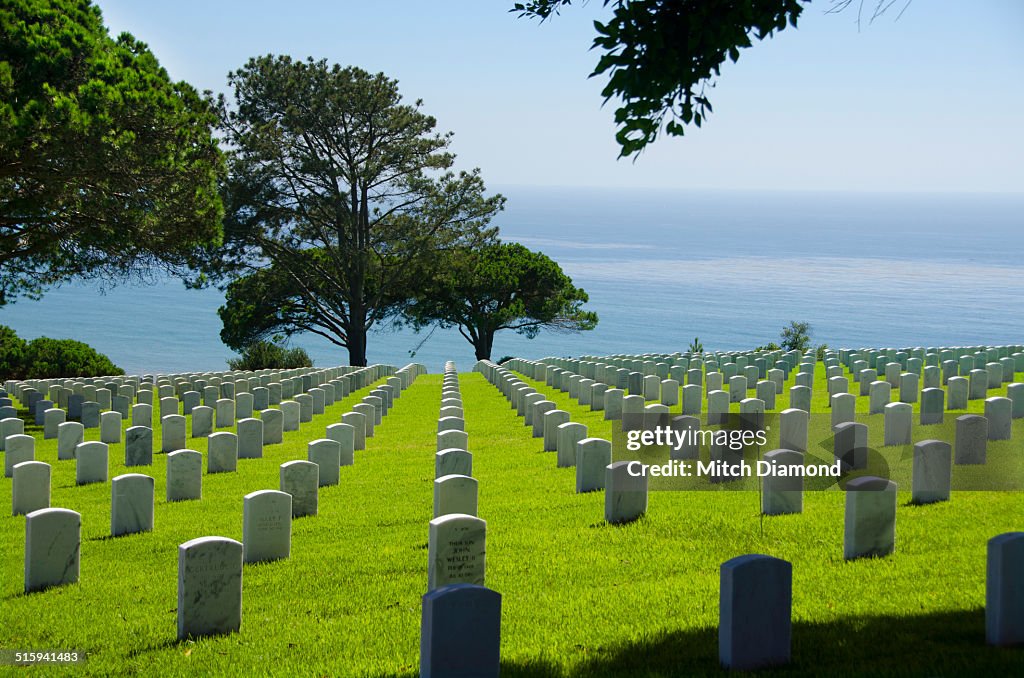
[{"x": 931, "y": 102}]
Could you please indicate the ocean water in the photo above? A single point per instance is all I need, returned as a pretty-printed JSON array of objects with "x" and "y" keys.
[{"x": 661, "y": 267}]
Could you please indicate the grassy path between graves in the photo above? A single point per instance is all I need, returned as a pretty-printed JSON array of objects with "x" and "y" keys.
[{"x": 580, "y": 597}]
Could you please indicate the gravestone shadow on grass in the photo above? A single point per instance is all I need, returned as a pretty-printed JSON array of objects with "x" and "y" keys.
[{"x": 943, "y": 643}]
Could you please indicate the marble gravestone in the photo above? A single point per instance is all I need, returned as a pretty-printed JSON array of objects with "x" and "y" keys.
[
  {"x": 301, "y": 479},
  {"x": 221, "y": 452},
  {"x": 592, "y": 457},
  {"x": 1004, "y": 595},
  {"x": 568, "y": 435},
  {"x": 69, "y": 435},
  {"x": 782, "y": 494},
  {"x": 456, "y": 551},
  {"x": 202, "y": 421},
  {"x": 30, "y": 490},
  {"x": 357, "y": 421},
  {"x": 453, "y": 461},
  {"x": 932, "y": 471},
  {"x": 273, "y": 426},
  {"x": 460, "y": 632},
  {"x": 209, "y": 587},
  {"x": 344, "y": 435},
  {"x": 249, "y": 432},
  {"x": 53, "y": 541},
  {"x": 326, "y": 454},
  {"x": 91, "y": 465},
  {"x": 172, "y": 434},
  {"x": 19, "y": 448},
  {"x": 138, "y": 446},
  {"x": 184, "y": 475},
  {"x": 110, "y": 427},
  {"x": 455, "y": 494},
  {"x": 266, "y": 526},
  {"x": 552, "y": 420},
  {"x": 131, "y": 504},
  {"x": 625, "y": 495},
  {"x": 755, "y": 612},
  {"x": 870, "y": 519},
  {"x": 971, "y": 439},
  {"x": 10, "y": 426},
  {"x": 52, "y": 419},
  {"x": 452, "y": 440}
]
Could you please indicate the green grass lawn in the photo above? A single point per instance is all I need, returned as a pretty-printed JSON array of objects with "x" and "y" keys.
[{"x": 580, "y": 597}]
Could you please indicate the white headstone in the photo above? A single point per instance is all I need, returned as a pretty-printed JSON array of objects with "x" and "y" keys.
[
  {"x": 870, "y": 520},
  {"x": 267, "y": 525},
  {"x": 53, "y": 541},
  {"x": 301, "y": 479},
  {"x": 326, "y": 454},
  {"x": 782, "y": 493},
  {"x": 1004, "y": 595},
  {"x": 184, "y": 475},
  {"x": 456, "y": 551},
  {"x": 92, "y": 463},
  {"x": 932, "y": 471},
  {"x": 455, "y": 494},
  {"x": 131, "y": 504},
  {"x": 592, "y": 457},
  {"x": 19, "y": 448},
  {"x": 453, "y": 461},
  {"x": 625, "y": 494},
  {"x": 209, "y": 587},
  {"x": 31, "y": 487},
  {"x": 138, "y": 446},
  {"x": 221, "y": 452}
]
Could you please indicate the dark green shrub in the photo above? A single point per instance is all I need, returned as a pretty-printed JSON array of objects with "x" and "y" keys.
[
  {"x": 46, "y": 358},
  {"x": 268, "y": 355},
  {"x": 12, "y": 354}
]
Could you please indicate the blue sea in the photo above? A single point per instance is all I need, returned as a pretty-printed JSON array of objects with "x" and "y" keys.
[{"x": 661, "y": 267}]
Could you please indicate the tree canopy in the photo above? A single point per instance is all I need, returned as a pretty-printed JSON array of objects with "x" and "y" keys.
[
  {"x": 796, "y": 336},
  {"x": 500, "y": 286},
  {"x": 107, "y": 167},
  {"x": 336, "y": 190},
  {"x": 662, "y": 56}
]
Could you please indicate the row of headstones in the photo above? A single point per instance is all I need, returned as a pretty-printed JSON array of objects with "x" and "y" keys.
[
  {"x": 31, "y": 479},
  {"x": 898, "y": 417},
  {"x": 455, "y": 488},
  {"x": 591, "y": 457},
  {"x": 910, "y": 359},
  {"x": 205, "y": 419},
  {"x": 287, "y": 418},
  {"x": 606, "y": 391},
  {"x": 794, "y": 421},
  {"x": 177, "y": 384},
  {"x": 591, "y": 391},
  {"x": 312, "y": 393},
  {"x": 359, "y": 424},
  {"x": 949, "y": 360},
  {"x": 627, "y": 498},
  {"x": 999, "y": 410},
  {"x": 460, "y": 623},
  {"x": 184, "y": 466},
  {"x": 461, "y": 619},
  {"x": 209, "y": 593},
  {"x": 118, "y": 393},
  {"x": 678, "y": 367}
]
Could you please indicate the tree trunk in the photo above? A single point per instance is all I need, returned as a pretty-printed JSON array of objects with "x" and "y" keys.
[
  {"x": 357, "y": 346},
  {"x": 483, "y": 345}
]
